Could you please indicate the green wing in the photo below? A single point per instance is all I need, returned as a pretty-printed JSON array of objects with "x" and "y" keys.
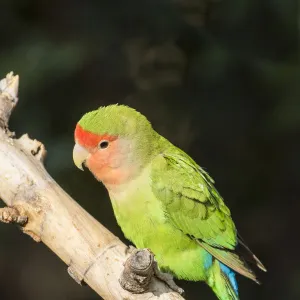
[{"x": 192, "y": 204}]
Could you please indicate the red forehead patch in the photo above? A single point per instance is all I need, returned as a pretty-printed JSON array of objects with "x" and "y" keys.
[{"x": 89, "y": 139}]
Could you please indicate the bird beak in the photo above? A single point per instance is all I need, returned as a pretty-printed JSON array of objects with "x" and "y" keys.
[{"x": 80, "y": 155}]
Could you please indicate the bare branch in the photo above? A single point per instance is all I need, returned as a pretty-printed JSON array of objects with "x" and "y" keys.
[
  {"x": 9, "y": 87},
  {"x": 48, "y": 214}
]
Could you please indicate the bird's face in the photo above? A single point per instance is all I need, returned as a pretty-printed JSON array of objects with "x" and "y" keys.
[{"x": 106, "y": 156}]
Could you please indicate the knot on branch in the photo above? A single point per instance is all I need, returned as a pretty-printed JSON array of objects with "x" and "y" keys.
[
  {"x": 33, "y": 147},
  {"x": 12, "y": 215},
  {"x": 138, "y": 271}
]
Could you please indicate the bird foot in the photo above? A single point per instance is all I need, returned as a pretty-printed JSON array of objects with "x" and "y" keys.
[{"x": 168, "y": 279}]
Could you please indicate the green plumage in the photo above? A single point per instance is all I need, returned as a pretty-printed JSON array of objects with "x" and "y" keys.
[
  {"x": 173, "y": 208},
  {"x": 104, "y": 120}
]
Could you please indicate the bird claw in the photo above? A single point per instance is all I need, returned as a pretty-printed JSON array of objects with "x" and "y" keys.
[{"x": 168, "y": 279}]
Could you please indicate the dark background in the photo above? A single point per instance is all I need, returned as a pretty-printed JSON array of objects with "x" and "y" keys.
[{"x": 218, "y": 78}]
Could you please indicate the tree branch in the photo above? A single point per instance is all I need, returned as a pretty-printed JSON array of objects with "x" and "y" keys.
[{"x": 48, "y": 214}]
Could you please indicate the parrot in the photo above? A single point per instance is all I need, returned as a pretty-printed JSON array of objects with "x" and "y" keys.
[{"x": 163, "y": 200}]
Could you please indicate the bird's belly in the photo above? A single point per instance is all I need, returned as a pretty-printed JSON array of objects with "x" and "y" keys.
[
  {"x": 174, "y": 251},
  {"x": 143, "y": 221}
]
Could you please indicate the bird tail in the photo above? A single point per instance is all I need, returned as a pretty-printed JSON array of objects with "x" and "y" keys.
[{"x": 222, "y": 281}]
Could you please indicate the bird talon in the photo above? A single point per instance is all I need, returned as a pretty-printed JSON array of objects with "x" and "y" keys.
[{"x": 168, "y": 279}]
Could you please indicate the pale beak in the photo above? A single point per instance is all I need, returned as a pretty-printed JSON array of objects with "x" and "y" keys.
[{"x": 80, "y": 155}]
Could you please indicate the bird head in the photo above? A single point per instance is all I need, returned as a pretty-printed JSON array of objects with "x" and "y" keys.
[{"x": 114, "y": 143}]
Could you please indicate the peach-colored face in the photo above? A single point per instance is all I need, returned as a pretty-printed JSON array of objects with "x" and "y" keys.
[{"x": 107, "y": 156}]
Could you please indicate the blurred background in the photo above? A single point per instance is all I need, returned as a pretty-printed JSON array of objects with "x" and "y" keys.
[{"x": 219, "y": 78}]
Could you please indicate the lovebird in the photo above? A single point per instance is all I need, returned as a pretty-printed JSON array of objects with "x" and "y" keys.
[{"x": 163, "y": 200}]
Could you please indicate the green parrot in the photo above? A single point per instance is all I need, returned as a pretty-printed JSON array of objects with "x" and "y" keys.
[{"x": 163, "y": 200}]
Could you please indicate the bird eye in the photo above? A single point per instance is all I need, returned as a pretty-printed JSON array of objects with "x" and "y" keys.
[{"x": 103, "y": 144}]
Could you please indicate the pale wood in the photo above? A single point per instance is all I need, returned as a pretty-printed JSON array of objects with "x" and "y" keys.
[{"x": 94, "y": 255}]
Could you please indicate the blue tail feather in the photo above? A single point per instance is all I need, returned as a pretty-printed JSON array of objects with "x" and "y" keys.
[{"x": 231, "y": 276}]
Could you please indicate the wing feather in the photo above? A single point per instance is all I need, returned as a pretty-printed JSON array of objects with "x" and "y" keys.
[{"x": 193, "y": 205}]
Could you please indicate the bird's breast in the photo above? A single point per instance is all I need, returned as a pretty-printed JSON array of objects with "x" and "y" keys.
[{"x": 137, "y": 210}]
